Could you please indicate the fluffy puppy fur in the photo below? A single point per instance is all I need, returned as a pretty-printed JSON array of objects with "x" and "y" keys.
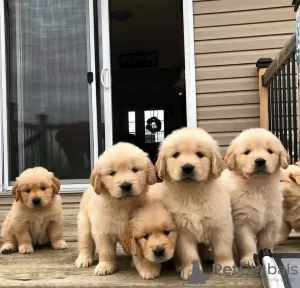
[
  {"x": 120, "y": 180},
  {"x": 253, "y": 179},
  {"x": 150, "y": 238},
  {"x": 190, "y": 165},
  {"x": 35, "y": 217},
  {"x": 290, "y": 187}
]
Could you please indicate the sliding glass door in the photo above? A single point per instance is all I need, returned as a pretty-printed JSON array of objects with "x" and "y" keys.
[{"x": 52, "y": 94}]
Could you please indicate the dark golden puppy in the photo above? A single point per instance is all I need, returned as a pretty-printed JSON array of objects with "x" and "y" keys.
[
  {"x": 36, "y": 214},
  {"x": 150, "y": 238}
]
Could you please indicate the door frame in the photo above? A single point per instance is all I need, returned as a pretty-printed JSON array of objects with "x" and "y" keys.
[{"x": 190, "y": 69}]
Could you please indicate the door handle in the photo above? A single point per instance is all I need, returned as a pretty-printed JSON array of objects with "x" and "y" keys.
[{"x": 102, "y": 78}]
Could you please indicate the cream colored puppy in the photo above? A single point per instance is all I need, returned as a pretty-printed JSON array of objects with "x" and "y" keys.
[
  {"x": 150, "y": 238},
  {"x": 120, "y": 180},
  {"x": 290, "y": 186},
  {"x": 190, "y": 165},
  {"x": 35, "y": 217},
  {"x": 253, "y": 179}
]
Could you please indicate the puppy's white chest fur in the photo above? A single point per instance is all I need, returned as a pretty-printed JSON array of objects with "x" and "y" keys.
[
  {"x": 188, "y": 215},
  {"x": 257, "y": 206},
  {"x": 197, "y": 211},
  {"x": 38, "y": 230},
  {"x": 109, "y": 217}
]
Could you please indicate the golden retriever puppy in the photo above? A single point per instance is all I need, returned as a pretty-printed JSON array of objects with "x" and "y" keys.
[
  {"x": 190, "y": 165},
  {"x": 253, "y": 179},
  {"x": 35, "y": 217},
  {"x": 150, "y": 238},
  {"x": 290, "y": 187},
  {"x": 120, "y": 180}
]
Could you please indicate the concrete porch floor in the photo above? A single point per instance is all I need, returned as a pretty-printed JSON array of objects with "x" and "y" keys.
[{"x": 49, "y": 268}]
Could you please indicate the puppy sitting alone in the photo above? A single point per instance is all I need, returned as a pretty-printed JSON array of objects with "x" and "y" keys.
[
  {"x": 190, "y": 165},
  {"x": 290, "y": 187},
  {"x": 253, "y": 179},
  {"x": 119, "y": 183},
  {"x": 35, "y": 217},
  {"x": 150, "y": 238}
]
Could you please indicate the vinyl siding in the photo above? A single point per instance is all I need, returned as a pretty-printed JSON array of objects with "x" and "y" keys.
[{"x": 230, "y": 36}]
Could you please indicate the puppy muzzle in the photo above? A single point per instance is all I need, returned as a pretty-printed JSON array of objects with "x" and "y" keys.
[
  {"x": 126, "y": 189},
  {"x": 36, "y": 202},
  {"x": 159, "y": 253},
  {"x": 260, "y": 166},
  {"x": 188, "y": 173}
]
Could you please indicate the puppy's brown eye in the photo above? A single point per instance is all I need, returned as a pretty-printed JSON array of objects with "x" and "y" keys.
[
  {"x": 270, "y": 151},
  {"x": 175, "y": 155},
  {"x": 112, "y": 173},
  {"x": 166, "y": 232},
  {"x": 134, "y": 170},
  {"x": 43, "y": 188},
  {"x": 27, "y": 190},
  {"x": 247, "y": 152},
  {"x": 146, "y": 236},
  {"x": 200, "y": 155}
]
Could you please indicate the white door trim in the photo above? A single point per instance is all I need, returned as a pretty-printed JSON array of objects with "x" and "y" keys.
[
  {"x": 92, "y": 86},
  {"x": 106, "y": 73},
  {"x": 3, "y": 98},
  {"x": 190, "y": 70}
]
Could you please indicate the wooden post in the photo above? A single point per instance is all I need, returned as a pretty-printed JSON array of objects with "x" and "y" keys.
[{"x": 262, "y": 64}]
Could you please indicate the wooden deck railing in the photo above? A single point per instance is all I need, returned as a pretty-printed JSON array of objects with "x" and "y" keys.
[{"x": 279, "y": 98}]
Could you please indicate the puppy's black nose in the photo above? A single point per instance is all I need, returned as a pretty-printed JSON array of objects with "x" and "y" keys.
[
  {"x": 260, "y": 162},
  {"x": 159, "y": 252},
  {"x": 188, "y": 168},
  {"x": 36, "y": 201},
  {"x": 126, "y": 187}
]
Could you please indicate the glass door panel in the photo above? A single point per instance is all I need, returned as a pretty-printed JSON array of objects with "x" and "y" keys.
[{"x": 51, "y": 105}]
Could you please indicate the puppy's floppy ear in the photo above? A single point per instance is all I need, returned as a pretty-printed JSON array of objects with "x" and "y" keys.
[
  {"x": 96, "y": 180},
  {"x": 160, "y": 165},
  {"x": 284, "y": 158},
  {"x": 15, "y": 192},
  {"x": 230, "y": 158},
  {"x": 55, "y": 184},
  {"x": 128, "y": 242},
  {"x": 151, "y": 173},
  {"x": 218, "y": 165},
  {"x": 295, "y": 177}
]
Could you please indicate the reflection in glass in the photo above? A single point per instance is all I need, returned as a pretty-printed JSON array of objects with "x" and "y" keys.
[{"x": 48, "y": 101}]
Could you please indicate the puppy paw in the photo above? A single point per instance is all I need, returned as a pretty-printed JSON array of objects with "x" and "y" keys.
[
  {"x": 8, "y": 248},
  {"x": 150, "y": 272},
  {"x": 186, "y": 271},
  {"x": 83, "y": 261},
  {"x": 105, "y": 268},
  {"x": 59, "y": 245},
  {"x": 247, "y": 262},
  {"x": 25, "y": 249}
]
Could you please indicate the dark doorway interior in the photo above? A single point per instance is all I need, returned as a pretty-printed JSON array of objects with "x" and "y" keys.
[{"x": 147, "y": 62}]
